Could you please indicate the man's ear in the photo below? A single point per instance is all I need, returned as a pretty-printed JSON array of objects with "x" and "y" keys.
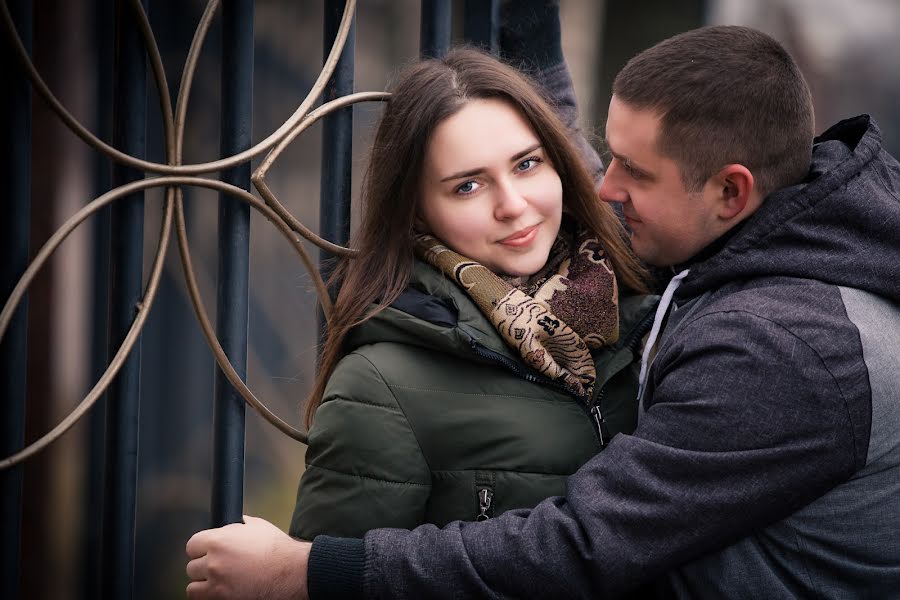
[{"x": 734, "y": 184}]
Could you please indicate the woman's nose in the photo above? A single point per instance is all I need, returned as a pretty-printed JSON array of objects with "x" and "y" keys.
[{"x": 510, "y": 203}]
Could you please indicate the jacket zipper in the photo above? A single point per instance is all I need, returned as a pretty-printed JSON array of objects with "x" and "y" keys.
[
  {"x": 516, "y": 368},
  {"x": 640, "y": 331},
  {"x": 600, "y": 426},
  {"x": 599, "y": 422},
  {"x": 485, "y": 500},
  {"x": 592, "y": 406}
]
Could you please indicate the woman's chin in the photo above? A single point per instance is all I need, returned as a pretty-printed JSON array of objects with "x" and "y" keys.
[{"x": 521, "y": 268}]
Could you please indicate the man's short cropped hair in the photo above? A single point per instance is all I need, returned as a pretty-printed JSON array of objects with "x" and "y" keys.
[{"x": 726, "y": 95}]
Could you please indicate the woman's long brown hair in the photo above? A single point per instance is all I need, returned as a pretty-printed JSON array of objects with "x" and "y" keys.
[{"x": 425, "y": 94}]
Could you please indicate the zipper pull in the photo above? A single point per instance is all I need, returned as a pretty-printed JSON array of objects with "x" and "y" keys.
[
  {"x": 600, "y": 424},
  {"x": 485, "y": 497}
]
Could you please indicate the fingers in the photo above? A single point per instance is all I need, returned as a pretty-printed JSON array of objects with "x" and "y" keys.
[
  {"x": 219, "y": 555},
  {"x": 198, "y": 545},
  {"x": 198, "y": 590},
  {"x": 197, "y": 569}
]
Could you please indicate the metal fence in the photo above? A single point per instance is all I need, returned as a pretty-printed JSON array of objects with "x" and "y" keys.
[
  {"x": 113, "y": 403},
  {"x": 129, "y": 302}
]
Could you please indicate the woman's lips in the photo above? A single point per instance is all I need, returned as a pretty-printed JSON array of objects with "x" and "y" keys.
[{"x": 522, "y": 237}]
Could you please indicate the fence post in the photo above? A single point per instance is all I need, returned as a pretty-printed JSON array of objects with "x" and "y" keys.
[
  {"x": 95, "y": 445},
  {"x": 125, "y": 288},
  {"x": 229, "y": 413},
  {"x": 15, "y": 172},
  {"x": 337, "y": 143},
  {"x": 482, "y": 24},
  {"x": 434, "y": 32}
]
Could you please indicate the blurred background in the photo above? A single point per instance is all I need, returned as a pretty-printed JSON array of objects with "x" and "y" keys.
[{"x": 849, "y": 52}]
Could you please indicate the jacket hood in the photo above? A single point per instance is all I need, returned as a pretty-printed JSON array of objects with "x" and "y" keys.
[{"x": 840, "y": 226}]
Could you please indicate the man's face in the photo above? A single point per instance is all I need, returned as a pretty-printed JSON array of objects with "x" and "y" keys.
[{"x": 668, "y": 224}]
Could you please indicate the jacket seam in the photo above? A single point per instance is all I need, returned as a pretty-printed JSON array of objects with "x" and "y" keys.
[
  {"x": 803, "y": 553},
  {"x": 884, "y": 185},
  {"x": 443, "y": 391},
  {"x": 400, "y": 407},
  {"x": 369, "y": 478},
  {"x": 495, "y": 470},
  {"x": 837, "y": 386},
  {"x": 341, "y": 398}
]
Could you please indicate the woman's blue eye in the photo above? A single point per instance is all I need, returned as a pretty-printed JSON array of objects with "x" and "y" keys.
[
  {"x": 528, "y": 164},
  {"x": 466, "y": 188}
]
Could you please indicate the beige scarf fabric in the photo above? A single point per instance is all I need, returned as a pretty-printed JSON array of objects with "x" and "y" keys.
[{"x": 556, "y": 317}]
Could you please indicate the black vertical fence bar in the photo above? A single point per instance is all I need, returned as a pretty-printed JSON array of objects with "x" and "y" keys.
[
  {"x": 229, "y": 413},
  {"x": 337, "y": 142},
  {"x": 434, "y": 33},
  {"x": 481, "y": 25},
  {"x": 125, "y": 288},
  {"x": 15, "y": 174},
  {"x": 92, "y": 495}
]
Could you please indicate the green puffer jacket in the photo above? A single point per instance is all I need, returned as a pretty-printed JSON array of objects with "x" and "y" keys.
[{"x": 431, "y": 418}]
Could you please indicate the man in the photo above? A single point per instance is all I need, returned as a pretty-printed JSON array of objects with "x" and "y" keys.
[{"x": 765, "y": 462}]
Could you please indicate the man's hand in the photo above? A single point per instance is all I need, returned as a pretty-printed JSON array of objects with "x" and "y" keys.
[{"x": 248, "y": 560}]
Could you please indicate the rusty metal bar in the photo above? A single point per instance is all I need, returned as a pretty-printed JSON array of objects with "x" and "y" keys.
[
  {"x": 15, "y": 171},
  {"x": 229, "y": 414},
  {"x": 126, "y": 274},
  {"x": 434, "y": 32}
]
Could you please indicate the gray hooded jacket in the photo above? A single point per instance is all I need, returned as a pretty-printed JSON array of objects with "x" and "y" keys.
[{"x": 766, "y": 462}]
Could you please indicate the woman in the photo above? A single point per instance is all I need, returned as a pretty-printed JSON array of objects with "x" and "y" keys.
[{"x": 484, "y": 344}]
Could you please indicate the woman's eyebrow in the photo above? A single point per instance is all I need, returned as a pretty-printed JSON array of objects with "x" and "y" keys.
[
  {"x": 462, "y": 174},
  {"x": 527, "y": 150},
  {"x": 472, "y": 172}
]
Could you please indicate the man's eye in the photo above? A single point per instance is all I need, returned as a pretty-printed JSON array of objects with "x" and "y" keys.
[{"x": 632, "y": 172}]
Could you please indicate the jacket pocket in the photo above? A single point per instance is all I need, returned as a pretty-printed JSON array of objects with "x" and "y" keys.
[{"x": 485, "y": 490}]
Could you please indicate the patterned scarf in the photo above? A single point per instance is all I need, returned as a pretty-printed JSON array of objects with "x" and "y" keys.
[{"x": 555, "y": 317}]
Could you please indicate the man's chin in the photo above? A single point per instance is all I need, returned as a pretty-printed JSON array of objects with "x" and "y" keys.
[{"x": 652, "y": 259}]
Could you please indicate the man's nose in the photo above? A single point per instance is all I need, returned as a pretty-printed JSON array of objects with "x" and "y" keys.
[{"x": 609, "y": 190}]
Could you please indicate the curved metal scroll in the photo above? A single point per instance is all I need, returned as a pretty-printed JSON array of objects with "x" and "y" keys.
[{"x": 174, "y": 175}]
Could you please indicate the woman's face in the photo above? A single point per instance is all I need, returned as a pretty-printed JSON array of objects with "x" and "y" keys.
[{"x": 488, "y": 190}]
